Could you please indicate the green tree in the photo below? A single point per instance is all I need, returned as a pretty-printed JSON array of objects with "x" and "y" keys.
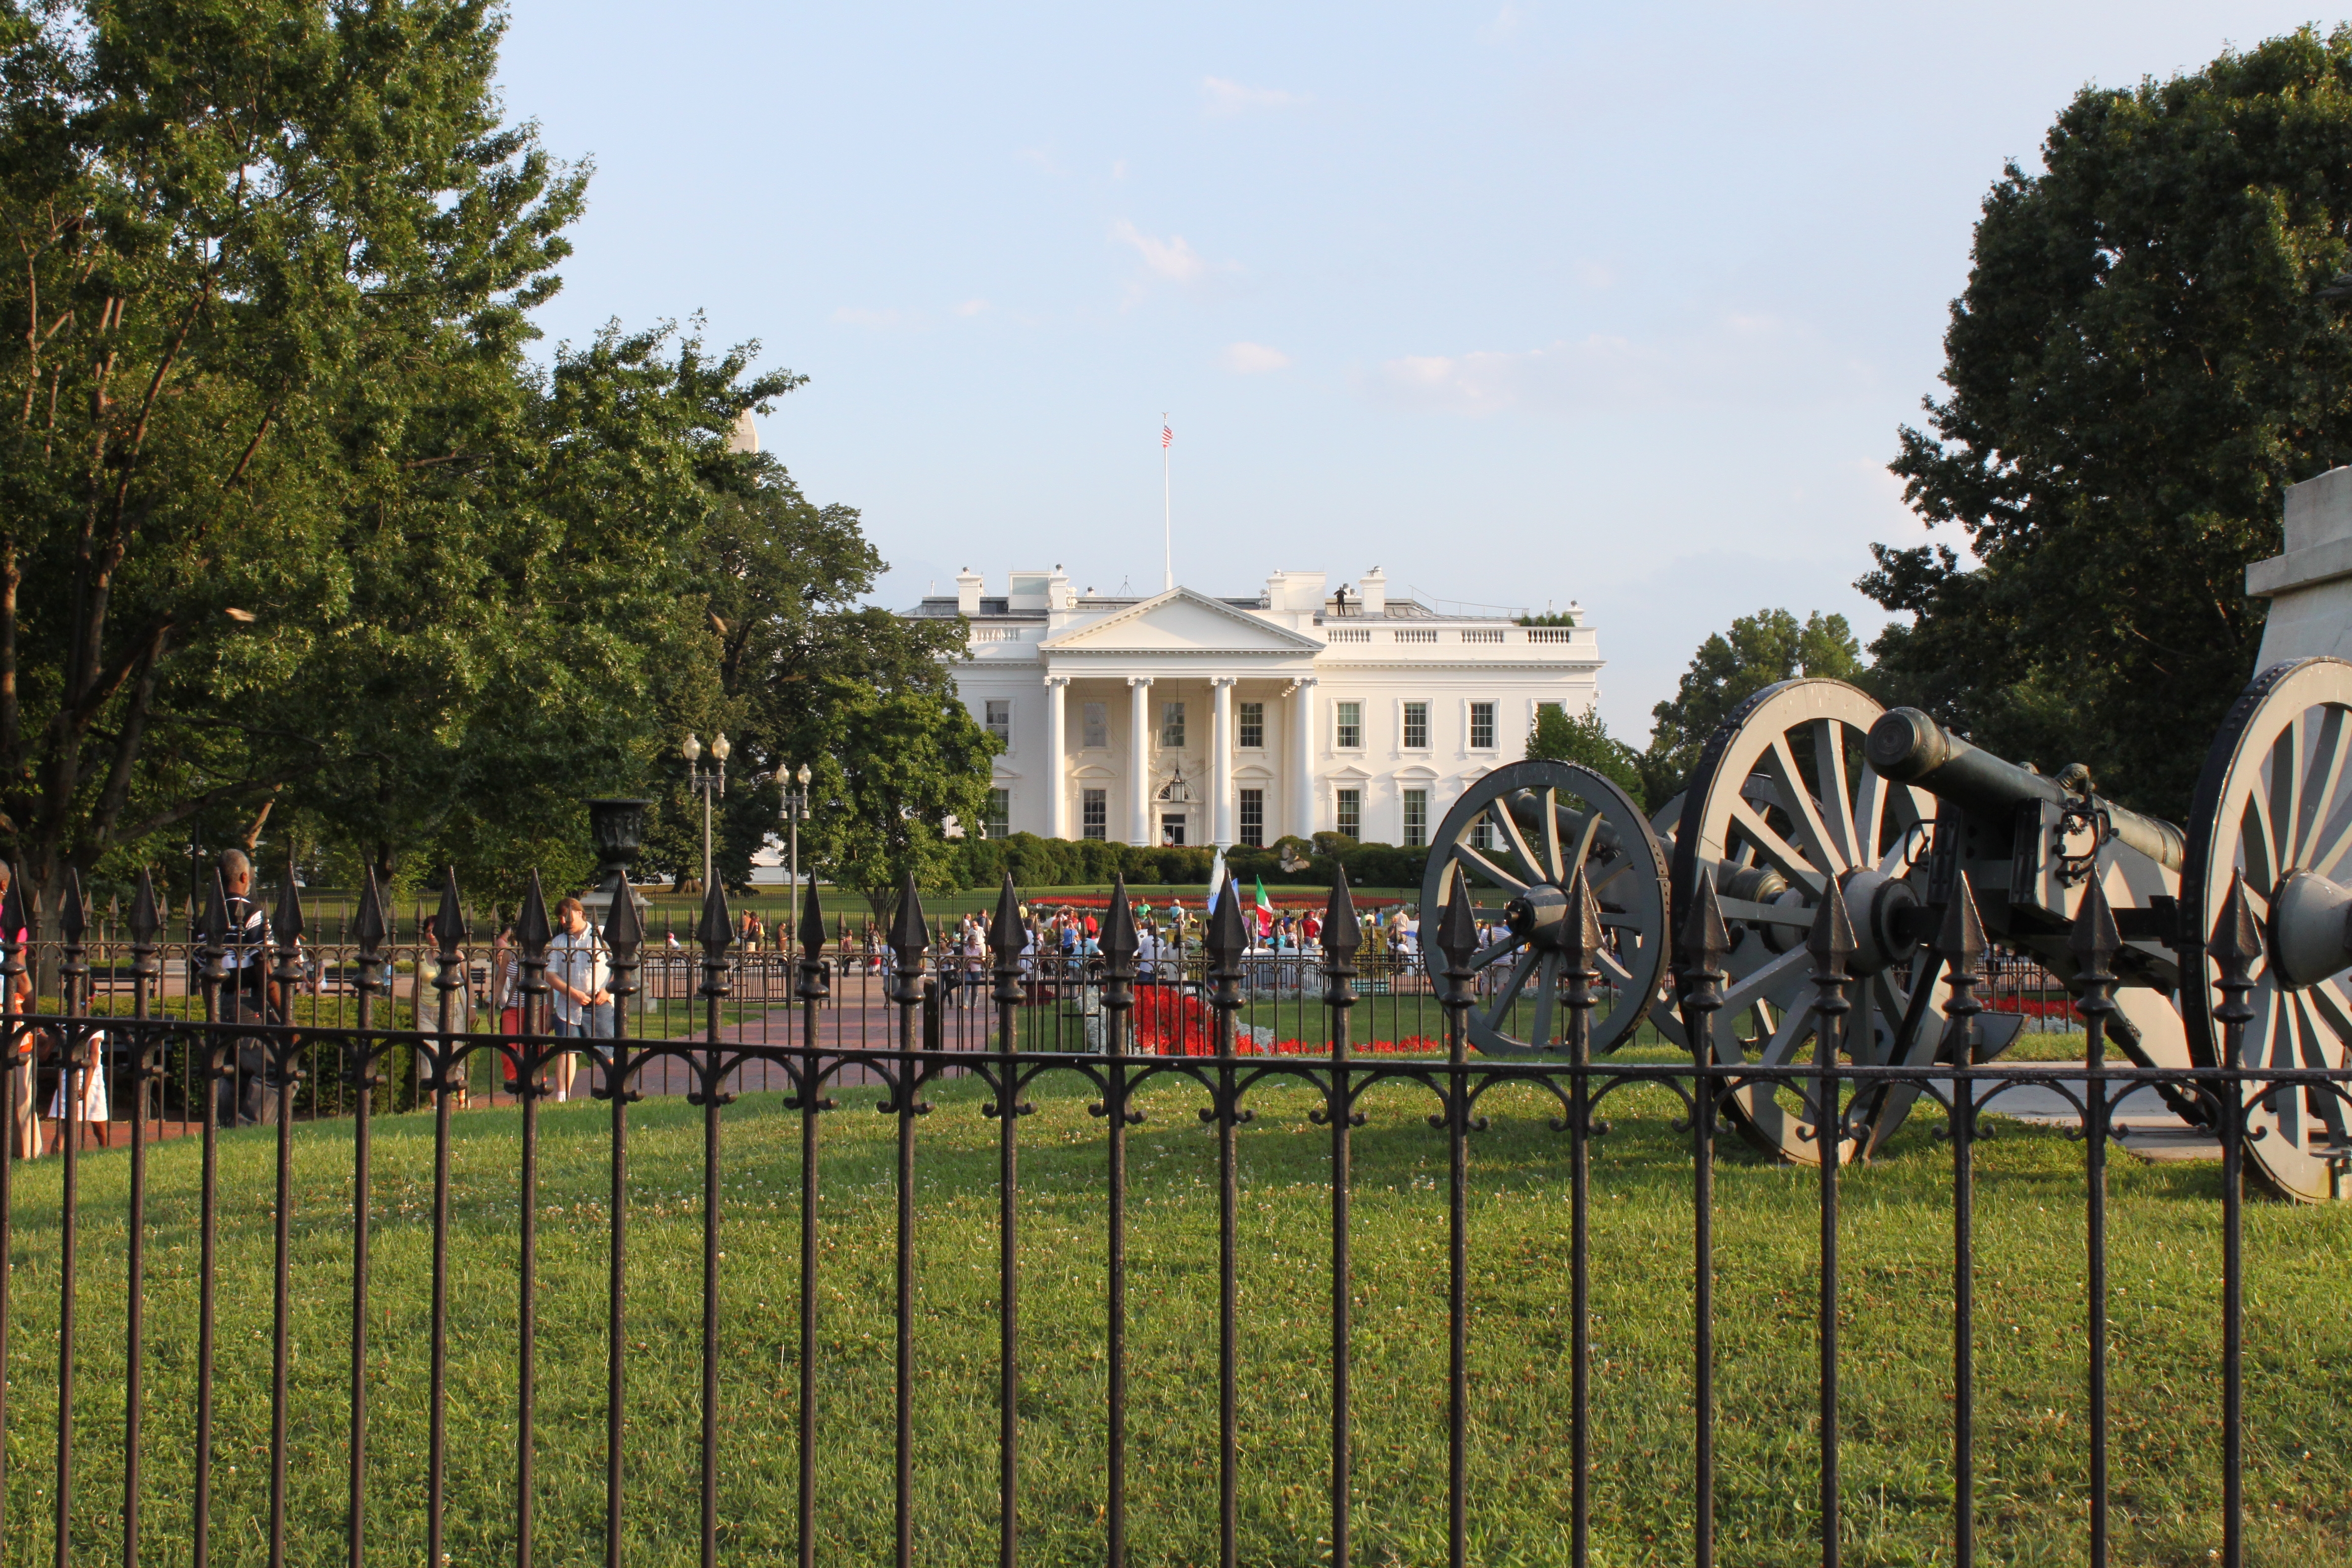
[
  {"x": 284, "y": 510},
  {"x": 1584, "y": 738},
  {"x": 1730, "y": 667},
  {"x": 2153, "y": 342}
]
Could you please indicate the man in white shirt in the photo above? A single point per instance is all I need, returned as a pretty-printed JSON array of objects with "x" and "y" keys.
[{"x": 576, "y": 982}]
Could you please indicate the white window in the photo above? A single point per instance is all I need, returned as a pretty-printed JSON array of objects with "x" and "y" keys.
[
  {"x": 1482, "y": 726},
  {"x": 1416, "y": 819},
  {"x": 1252, "y": 725},
  {"x": 1350, "y": 813},
  {"x": 999, "y": 822},
  {"x": 1416, "y": 726},
  {"x": 1254, "y": 818},
  {"x": 1095, "y": 728},
  {"x": 1000, "y": 720},
  {"x": 1172, "y": 725},
  {"x": 1347, "y": 726},
  {"x": 1094, "y": 814}
]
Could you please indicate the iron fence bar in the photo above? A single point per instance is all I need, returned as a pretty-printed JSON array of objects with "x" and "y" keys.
[
  {"x": 906, "y": 990},
  {"x": 144, "y": 974},
  {"x": 1581, "y": 973},
  {"x": 1227, "y": 946},
  {"x": 1458, "y": 938},
  {"x": 2095, "y": 941},
  {"x": 622, "y": 942},
  {"x": 1962, "y": 943},
  {"x": 1119, "y": 946},
  {"x": 1831, "y": 941},
  {"x": 73, "y": 974},
  {"x": 813, "y": 987},
  {"x": 716, "y": 937},
  {"x": 360, "y": 1071},
  {"x": 1005, "y": 945},
  {"x": 214, "y": 971},
  {"x": 18, "y": 1048},
  {"x": 1340, "y": 939},
  {"x": 279, "y": 1059},
  {"x": 1701, "y": 945},
  {"x": 436, "y": 1443},
  {"x": 2236, "y": 943},
  {"x": 532, "y": 935}
]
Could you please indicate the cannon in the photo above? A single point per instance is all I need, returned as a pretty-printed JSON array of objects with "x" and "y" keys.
[{"x": 1784, "y": 798}]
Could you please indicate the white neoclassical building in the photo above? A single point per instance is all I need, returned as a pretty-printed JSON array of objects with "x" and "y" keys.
[{"x": 1188, "y": 719}]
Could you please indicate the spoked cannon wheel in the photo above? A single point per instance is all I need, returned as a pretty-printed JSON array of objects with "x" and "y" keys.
[
  {"x": 1783, "y": 800},
  {"x": 1511, "y": 845},
  {"x": 2274, "y": 806}
]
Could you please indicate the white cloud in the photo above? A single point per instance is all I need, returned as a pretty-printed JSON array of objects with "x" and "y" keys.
[
  {"x": 1737, "y": 358},
  {"x": 1253, "y": 359},
  {"x": 971, "y": 308},
  {"x": 1222, "y": 99},
  {"x": 1171, "y": 259},
  {"x": 1507, "y": 22}
]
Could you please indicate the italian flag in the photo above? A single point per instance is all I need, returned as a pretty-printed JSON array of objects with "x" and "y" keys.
[{"x": 1264, "y": 910}]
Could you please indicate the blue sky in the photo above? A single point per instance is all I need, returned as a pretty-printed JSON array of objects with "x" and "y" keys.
[{"x": 1523, "y": 302}]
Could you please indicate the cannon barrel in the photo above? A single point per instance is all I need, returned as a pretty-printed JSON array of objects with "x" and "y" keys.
[{"x": 1908, "y": 747}]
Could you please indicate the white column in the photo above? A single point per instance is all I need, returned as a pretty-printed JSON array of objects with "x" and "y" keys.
[
  {"x": 1220, "y": 766},
  {"x": 1301, "y": 784},
  {"x": 1058, "y": 799},
  {"x": 1139, "y": 758}
]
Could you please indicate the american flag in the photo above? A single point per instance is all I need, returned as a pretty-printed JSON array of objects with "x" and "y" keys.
[{"x": 1166, "y": 435}]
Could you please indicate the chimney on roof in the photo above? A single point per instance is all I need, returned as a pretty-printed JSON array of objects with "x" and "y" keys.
[
  {"x": 969, "y": 584},
  {"x": 1372, "y": 593}
]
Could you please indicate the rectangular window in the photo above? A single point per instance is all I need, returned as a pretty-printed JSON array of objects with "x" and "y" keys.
[
  {"x": 1095, "y": 728},
  {"x": 1351, "y": 813},
  {"x": 1171, "y": 827},
  {"x": 1254, "y": 818},
  {"x": 1347, "y": 726},
  {"x": 1000, "y": 720},
  {"x": 1482, "y": 726},
  {"x": 1482, "y": 833},
  {"x": 1094, "y": 814},
  {"x": 1416, "y": 819},
  {"x": 1416, "y": 726},
  {"x": 1253, "y": 726},
  {"x": 1172, "y": 725},
  {"x": 999, "y": 814}
]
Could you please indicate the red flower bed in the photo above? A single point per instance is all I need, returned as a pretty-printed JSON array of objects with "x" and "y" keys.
[
  {"x": 2033, "y": 1007},
  {"x": 1292, "y": 904},
  {"x": 1170, "y": 1023}
]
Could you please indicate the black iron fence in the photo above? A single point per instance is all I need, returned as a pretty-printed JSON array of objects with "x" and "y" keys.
[{"x": 197, "y": 1063}]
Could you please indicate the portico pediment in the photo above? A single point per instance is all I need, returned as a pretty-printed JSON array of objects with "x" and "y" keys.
[{"x": 1180, "y": 621}]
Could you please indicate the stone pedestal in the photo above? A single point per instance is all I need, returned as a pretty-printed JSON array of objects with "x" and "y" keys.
[{"x": 2310, "y": 587}]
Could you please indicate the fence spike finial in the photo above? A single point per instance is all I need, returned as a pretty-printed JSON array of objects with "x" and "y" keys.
[
  {"x": 1227, "y": 937},
  {"x": 73, "y": 916},
  {"x": 624, "y": 933},
  {"x": 1343, "y": 933},
  {"x": 146, "y": 920},
  {"x": 533, "y": 933},
  {"x": 1005, "y": 932},
  {"x": 714, "y": 931},
  {"x": 812, "y": 923},
  {"x": 1118, "y": 939},
  {"x": 288, "y": 920},
  {"x": 449, "y": 919},
  {"x": 910, "y": 932}
]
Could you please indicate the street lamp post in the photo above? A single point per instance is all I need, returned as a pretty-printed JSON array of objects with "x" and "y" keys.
[
  {"x": 707, "y": 781},
  {"x": 795, "y": 809}
]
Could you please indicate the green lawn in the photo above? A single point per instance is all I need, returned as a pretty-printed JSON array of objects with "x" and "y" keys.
[{"x": 1897, "y": 1330}]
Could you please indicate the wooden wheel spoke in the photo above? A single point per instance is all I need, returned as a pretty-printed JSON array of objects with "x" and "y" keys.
[
  {"x": 1829, "y": 764},
  {"x": 2323, "y": 780},
  {"x": 1493, "y": 950},
  {"x": 1518, "y": 842},
  {"x": 1510, "y": 991},
  {"x": 1584, "y": 850},
  {"x": 2258, "y": 844},
  {"x": 1611, "y": 965},
  {"x": 1462, "y": 852},
  {"x": 2328, "y": 1000},
  {"x": 1785, "y": 857},
  {"x": 1804, "y": 811},
  {"x": 1546, "y": 994},
  {"x": 1741, "y": 993},
  {"x": 1547, "y": 818},
  {"x": 2285, "y": 795},
  {"x": 1795, "y": 1024}
]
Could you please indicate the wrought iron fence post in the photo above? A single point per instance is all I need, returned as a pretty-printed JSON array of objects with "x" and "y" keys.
[
  {"x": 808, "y": 1083},
  {"x": 715, "y": 933},
  {"x": 1005, "y": 938},
  {"x": 1962, "y": 944},
  {"x": 2094, "y": 943},
  {"x": 146, "y": 920},
  {"x": 2236, "y": 943},
  {"x": 1832, "y": 943},
  {"x": 448, "y": 1078},
  {"x": 1580, "y": 971},
  {"x": 533, "y": 935},
  {"x": 14, "y": 930},
  {"x": 625, "y": 940},
  {"x": 1342, "y": 935},
  {"x": 1227, "y": 947},
  {"x": 909, "y": 940},
  {"x": 215, "y": 947},
  {"x": 1119, "y": 946},
  {"x": 73, "y": 977},
  {"x": 1457, "y": 938},
  {"x": 1703, "y": 943},
  {"x": 279, "y": 1057},
  {"x": 370, "y": 927}
]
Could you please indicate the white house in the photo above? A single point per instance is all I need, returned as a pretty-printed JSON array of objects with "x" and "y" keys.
[{"x": 1187, "y": 719}]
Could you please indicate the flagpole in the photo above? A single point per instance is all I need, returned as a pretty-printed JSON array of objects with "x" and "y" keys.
[{"x": 1167, "y": 509}]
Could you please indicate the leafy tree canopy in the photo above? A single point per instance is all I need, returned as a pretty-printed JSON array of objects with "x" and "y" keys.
[
  {"x": 1730, "y": 667},
  {"x": 1564, "y": 737},
  {"x": 2154, "y": 340}
]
